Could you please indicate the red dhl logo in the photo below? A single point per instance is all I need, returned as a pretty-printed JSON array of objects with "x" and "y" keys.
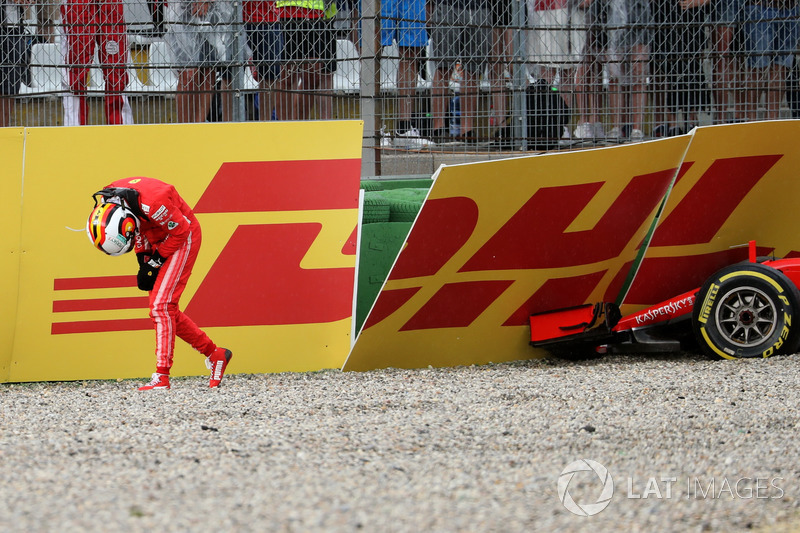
[
  {"x": 535, "y": 237},
  {"x": 257, "y": 278}
]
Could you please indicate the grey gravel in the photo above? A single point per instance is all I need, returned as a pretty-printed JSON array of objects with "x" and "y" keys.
[{"x": 476, "y": 448}]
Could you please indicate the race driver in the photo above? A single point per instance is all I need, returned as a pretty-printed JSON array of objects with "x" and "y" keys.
[{"x": 149, "y": 216}]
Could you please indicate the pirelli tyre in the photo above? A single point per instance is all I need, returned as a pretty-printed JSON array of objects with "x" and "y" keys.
[{"x": 747, "y": 310}]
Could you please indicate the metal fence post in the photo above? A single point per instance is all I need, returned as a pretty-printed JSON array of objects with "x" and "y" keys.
[
  {"x": 519, "y": 104},
  {"x": 238, "y": 63},
  {"x": 369, "y": 85}
]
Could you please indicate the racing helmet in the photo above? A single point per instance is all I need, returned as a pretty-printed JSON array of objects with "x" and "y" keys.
[{"x": 112, "y": 228}]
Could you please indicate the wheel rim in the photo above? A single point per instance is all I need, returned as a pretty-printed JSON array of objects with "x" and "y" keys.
[{"x": 747, "y": 316}]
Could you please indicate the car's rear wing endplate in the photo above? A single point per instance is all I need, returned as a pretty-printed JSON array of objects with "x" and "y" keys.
[{"x": 588, "y": 322}]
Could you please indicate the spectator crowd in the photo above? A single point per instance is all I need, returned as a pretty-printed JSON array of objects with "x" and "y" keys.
[{"x": 448, "y": 70}]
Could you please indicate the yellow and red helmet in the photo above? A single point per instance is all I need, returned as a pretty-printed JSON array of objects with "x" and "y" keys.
[{"x": 112, "y": 228}]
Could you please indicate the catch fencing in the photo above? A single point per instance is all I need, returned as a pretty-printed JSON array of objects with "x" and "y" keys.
[{"x": 444, "y": 76}]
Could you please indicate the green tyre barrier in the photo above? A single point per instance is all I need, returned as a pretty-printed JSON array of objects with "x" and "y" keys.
[
  {"x": 380, "y": 244},
  {"x": 371, "y": 185},
  {"x": 376, "y": 209},
  {"x": 404, "y": 211}
]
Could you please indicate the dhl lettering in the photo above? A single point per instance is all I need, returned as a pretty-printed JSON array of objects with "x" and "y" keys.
[
  {"x": 728, "y": 182},
  {"x": 660, "y": 278},
  {"x": 271, "y": 268},
  {"x": 552, "y": 209},
  {"x": 442, "y": 229},
  {"x": 282, "y": 186},
  {"x": 456, "y": 305},
  {"x": 257, "y": 279},
  {"x": 554, "y": 293}
]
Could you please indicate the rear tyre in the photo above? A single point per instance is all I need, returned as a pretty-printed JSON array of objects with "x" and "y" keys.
[{"x": 747, "y": 310}]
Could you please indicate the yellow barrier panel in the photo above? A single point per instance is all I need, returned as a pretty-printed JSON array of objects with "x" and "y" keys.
[
  {"x": 497, "y": 241},
  {"x": 738, "y": 183},
  {"x": 11, "y": 143},
  {"x": 273, "y": 281}
]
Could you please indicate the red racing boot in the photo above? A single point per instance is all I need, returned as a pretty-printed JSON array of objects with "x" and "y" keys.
[
  {"x": 157, "y": 382},
  {"x": 217, "y": 362}
]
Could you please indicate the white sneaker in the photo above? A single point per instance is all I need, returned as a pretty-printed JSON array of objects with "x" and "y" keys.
[
  {"x": 411, "y": 139},
  {"x": 637, "y": 135},
  {"x": 386, "y": 141},
  {"x": 566, "y": 137},
  {"x": 584, "y": 130}
]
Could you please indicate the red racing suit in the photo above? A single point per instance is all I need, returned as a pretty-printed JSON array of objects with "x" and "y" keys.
[
  {"x": 167, "y": 225},
  {"x": 91, "y": 25}
]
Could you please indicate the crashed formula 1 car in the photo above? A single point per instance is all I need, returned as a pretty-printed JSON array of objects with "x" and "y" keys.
[{"x": 746, "y": 309}]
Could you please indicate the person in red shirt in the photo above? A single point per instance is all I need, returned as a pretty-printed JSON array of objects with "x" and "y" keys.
[
  {"x": 95, "y": 25},
  {"x": 150, "y": 217}
]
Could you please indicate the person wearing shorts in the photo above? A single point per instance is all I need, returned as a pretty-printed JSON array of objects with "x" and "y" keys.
[
  {"x": 555, "y": 44},
  {"x": 771, "y": 30},
  {"x": 725, "y": 18},
  {"x": 629, "y": 36},
  {"x": 589, "y": 72},
  {"x": 310, "y": 56},
  {"x": 13, "y": 61},
  {"x": 677, "y": 80},
  {"x": 201, "y": 37},
  {"x": 500, "y": 70},
  {"x": 403, "y": 22},
  {"x": 265, "y": 39},
  {"x": 460, "y": 35}
]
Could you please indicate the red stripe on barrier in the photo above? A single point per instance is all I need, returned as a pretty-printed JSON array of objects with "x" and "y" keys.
[
  {"x": 555, "y": 294},
  {"x": 100, "y": 282},
  {"x": 101, "y": 326},
  {"x": 100, "y": 304},
  {"x": 258, "y": 280},
  {"x": 728, "y": 182},
  {"x": 258, "y": 186},
  {"x": 387, "y": 303},
  {"x": 457, "y": 305}
]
